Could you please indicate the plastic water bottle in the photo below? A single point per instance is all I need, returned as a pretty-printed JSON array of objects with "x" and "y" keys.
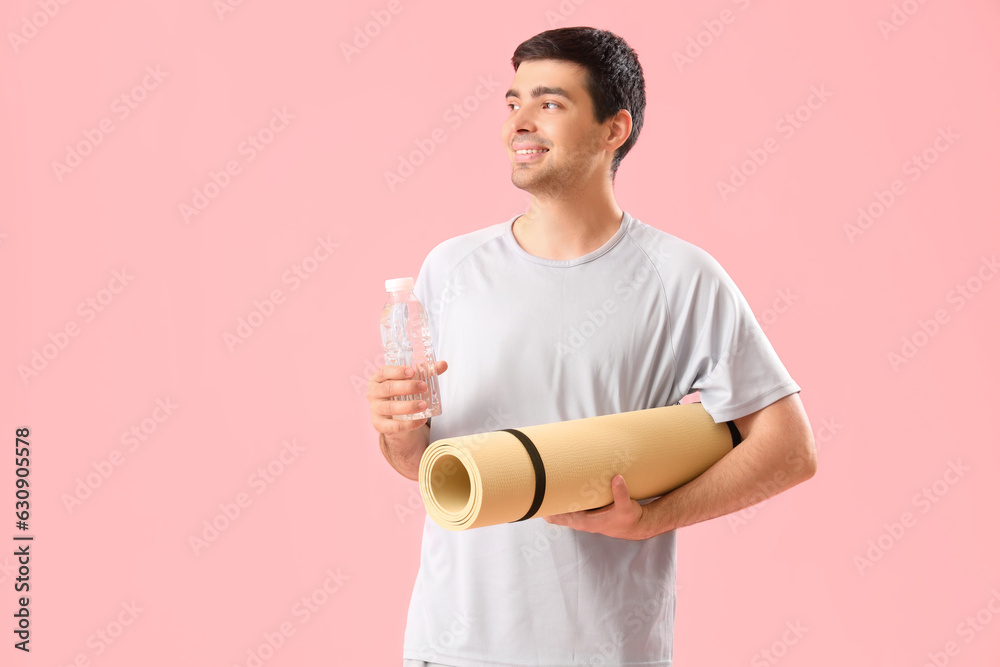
[{"x": 406, "y": 341}]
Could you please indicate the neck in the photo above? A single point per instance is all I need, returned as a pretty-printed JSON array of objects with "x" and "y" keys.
[{"x": 570, "y": 226}]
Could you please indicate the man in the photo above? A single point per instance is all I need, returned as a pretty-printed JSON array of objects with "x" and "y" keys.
[{"x": 572, "y": 310}]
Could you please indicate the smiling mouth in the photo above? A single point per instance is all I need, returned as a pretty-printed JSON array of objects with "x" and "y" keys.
[{"x": 529, "y": 155}]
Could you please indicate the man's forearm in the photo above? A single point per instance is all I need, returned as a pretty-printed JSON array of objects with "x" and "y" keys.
[
  {"x": 403, "y": 450},
  {"x": 756, "y": 469}
]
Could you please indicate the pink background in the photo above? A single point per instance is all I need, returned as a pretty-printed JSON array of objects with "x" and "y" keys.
[{"x": 835, "y": 301}]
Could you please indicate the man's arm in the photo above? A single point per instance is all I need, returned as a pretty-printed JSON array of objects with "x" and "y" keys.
[
  {"x": 402, "y": 442},
  {"x": 777, "y": 452},
  {"x": 405, "y": 449}
]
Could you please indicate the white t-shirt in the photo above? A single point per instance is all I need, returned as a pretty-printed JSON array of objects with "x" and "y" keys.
[{"x": 639, "y": 323}]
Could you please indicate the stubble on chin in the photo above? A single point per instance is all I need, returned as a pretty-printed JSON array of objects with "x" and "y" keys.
[{"x": 542, "y": 185}]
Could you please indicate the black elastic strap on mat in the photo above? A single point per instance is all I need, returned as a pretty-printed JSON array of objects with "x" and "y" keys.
[
  {"x": 536, "y": 463},
  {"x": 735, "y": 432}
]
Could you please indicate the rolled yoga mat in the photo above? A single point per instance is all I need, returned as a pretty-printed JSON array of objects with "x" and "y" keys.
[{"x": 536, "y": 471}]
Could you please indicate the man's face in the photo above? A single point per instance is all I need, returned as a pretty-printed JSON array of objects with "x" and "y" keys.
[{"x": 549, "y": 108}]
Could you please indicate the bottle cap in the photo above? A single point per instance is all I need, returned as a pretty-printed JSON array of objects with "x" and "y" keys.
[{"x": 398, "y": 284}]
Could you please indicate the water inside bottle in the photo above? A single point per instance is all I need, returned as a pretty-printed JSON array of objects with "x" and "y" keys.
[{"x": 400, "y": 326}]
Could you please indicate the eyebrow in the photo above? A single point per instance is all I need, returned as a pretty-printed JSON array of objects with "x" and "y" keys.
[{"x": 538, "y": 91}]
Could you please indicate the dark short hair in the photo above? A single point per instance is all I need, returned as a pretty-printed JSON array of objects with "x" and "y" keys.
[{"x": 614, "y": 78}]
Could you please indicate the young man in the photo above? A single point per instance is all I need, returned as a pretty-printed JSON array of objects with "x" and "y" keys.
[{"x": 572, "y": 310}]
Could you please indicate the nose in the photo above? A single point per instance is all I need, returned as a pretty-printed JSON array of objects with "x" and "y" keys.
[
  {"x": 520, "y": 121},
  {"x": 522, "y": 118}
]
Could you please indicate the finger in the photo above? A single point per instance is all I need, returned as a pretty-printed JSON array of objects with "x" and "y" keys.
[
  {"x": 389, "y": 408},
  {"x": 392, "y": 388},
  {"x": 441, "y": 366},
  {"x": 604, "y": 509},
  {"x": 386, "y": 424},
  {"x": 385, "y": 374},
  {"x": 619, "y": 490},
  {"x": 391, "y": 426},
  {"x": 389, "y": 372}
]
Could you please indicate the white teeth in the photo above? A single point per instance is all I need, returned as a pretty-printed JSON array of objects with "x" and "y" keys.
[{"x": 526, "y": 152}]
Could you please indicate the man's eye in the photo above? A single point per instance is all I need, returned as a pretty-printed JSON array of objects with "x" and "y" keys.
[{"x": 511, "y": 105}]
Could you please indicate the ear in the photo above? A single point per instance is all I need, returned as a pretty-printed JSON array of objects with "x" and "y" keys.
[{"x": 619, "y": 129}]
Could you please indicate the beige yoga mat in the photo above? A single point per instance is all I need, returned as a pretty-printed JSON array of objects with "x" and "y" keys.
[{"x": 535, "y": 471}]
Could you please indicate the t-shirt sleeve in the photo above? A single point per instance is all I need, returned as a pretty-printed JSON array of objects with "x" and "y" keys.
[
  {"x": 731, "y": 362},
  {"x": 426, "y": 290},
  {"x": 420, "y": 284}
]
